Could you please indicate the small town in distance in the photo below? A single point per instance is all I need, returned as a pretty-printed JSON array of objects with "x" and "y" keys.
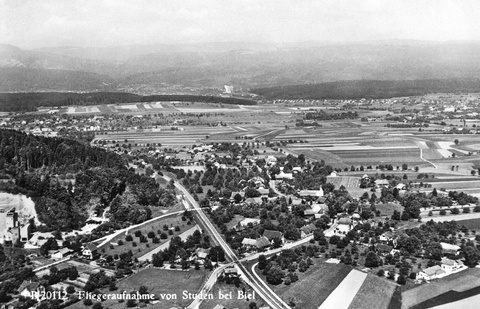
[{"x": 179, "y": 204}]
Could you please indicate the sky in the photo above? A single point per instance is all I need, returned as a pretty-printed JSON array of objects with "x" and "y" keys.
[{"x": 103, "y": 23}]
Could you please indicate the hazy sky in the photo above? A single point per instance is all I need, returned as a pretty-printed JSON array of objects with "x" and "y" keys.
[{"x": 39, "y": 23}]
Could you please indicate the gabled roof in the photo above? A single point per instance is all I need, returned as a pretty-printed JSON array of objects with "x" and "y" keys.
[
  {"x": 307, "y": 229},
  {"x": 254, "y": 200},
  {"x": 434, "y": 270},
  {"x": 272, "y": 234},
  {"x": 449, "y": 262},
  {"x": 202, "y": 253},
  {"x": 263, "y": 191},
  {"x": 262, "y": 242},
  {"x": 449, "y": 247},
  {"x": 346, "y": 221},
  {"x": 65, "y": 250},
  {"x": 91, "y": 247},
  {"x": 384, "y": 248},
  {"x": 310, "y": 212},
  {"x": 249, "y": 242},
  {"x": 318, "y": 193},
  {"x": 30, "y": 286}
]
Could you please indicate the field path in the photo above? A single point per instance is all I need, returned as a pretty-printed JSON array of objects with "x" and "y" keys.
[
  {"x": 343, "y": 295},
  {"x": 421, "y": 157},
  {"x": 183, "y": 236}
]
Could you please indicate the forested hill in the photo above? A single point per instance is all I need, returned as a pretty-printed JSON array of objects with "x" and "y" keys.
[
  {"x": 369, "y": 89},
  {"x": 67, "y": 179},
  {"x": 20, "y": 102}
]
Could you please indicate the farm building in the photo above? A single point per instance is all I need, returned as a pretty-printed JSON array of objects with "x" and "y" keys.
[
  {"x": 384, "y": 249},
  {"x": 60, "y": 254},
  {"x": 263, "y": 191},
  {"x": 344, "y": 225},
  {"x": 381, "y": 183},
  {"x": 283, "y": 175},
  {"x": 311, "y": 193},
  {"x": 270, "y": 235},
  {"x": 202, "y": 253},
  {"x": 258, "y": 243},
  {"x": 449, "y": 248},
  {"x": 307, "y": 230},
  {"x": 450, "y": 266},
  {"x": 245, "y": 223},
  {"x": 431, "y": 273}
]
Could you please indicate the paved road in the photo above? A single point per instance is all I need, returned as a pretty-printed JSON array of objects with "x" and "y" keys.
[
  {"x": 207, "y": 286},
  {"x": 343, "y": 295},
  {"x": 259, "y": 286},
  {"x": 183, "y": 236}
]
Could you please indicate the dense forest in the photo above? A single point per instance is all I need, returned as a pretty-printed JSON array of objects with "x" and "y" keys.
[
  {"x": 22, "y": 102},
  {"x": 101, "y": 179},
  {"x": 369, "y": 89}
]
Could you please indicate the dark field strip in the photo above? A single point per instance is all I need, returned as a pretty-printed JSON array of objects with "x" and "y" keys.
[{"x": 447, "y": 297}]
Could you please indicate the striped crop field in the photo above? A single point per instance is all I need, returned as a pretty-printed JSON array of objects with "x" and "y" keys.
[{"x": 379, "y": 155}]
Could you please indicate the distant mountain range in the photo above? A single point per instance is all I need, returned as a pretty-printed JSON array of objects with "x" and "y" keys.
[
  {"x": 243, "y": 65},
  {"x": 369, "y": 89}
]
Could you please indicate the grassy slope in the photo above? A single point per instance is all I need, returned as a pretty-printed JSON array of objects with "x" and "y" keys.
[
  {"x": 313, "y": 286},
  {"x": 375, "y": 293},
  {"x": 157, "y": 281}
]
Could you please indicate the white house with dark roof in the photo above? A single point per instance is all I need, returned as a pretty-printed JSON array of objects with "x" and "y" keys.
[
  {"x": 89, "y": 251},
  {"x": 344, "y": 225}
]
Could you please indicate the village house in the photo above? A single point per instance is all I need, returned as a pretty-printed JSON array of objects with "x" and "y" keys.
[
  {"x": 201, "y": 254},
  {"x": 271, "y": 160},
  {"x": 263, "y": 191},
  {"x": 283, "y": 175},
  {"x": 311, "y": 193},
  {"x": 90, "y": 251},
  {"x": 316, "y": 209},
  {"x": 258, "y": 243},
  {"x": 344, "y": 225},
  {"x": 449, "y": 248},
  {"x": 450, "y": 266},
  {"x": 307, "y": 230},
  {"x": 246, "y": 222},
  {"x": 231, "y": 272},
  {"x": 384, "y": 249},
  {"x": 431, "y": 273},
  {"x": 254, "y": 200},
  {"x": 262, "y": 242},
  {"x": 382, "y": 183},
  {"x": 28, "y": 288},
  {"x": 271, "y": 235},
  {"x": 60, "y": 254}
]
